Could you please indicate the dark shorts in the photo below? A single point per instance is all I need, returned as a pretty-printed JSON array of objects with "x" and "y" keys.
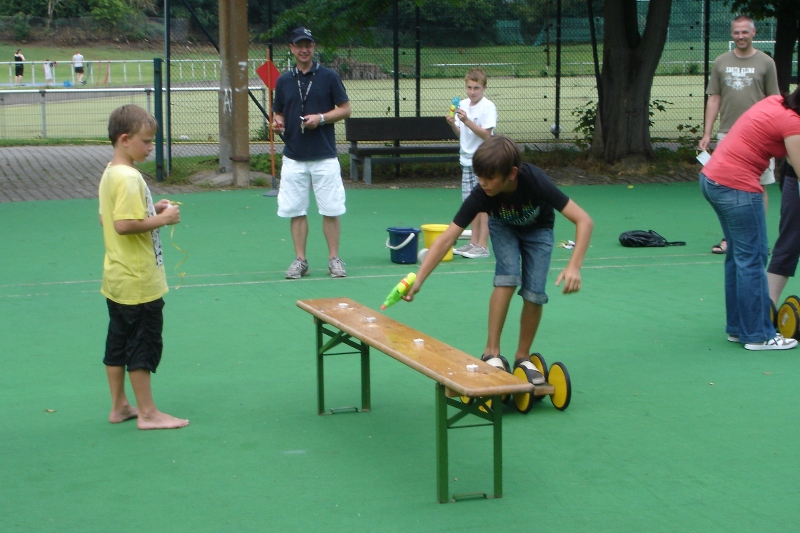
[
  {"x": 134, "y": 335},
  {"x": 78, "y": 70},
  {"x": 19, "y": 70}
]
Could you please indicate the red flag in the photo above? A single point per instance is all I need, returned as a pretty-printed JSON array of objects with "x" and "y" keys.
[{"x": 269, "y": 74}]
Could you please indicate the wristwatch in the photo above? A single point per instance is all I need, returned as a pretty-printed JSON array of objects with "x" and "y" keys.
[{"x": 321, "y": 119}]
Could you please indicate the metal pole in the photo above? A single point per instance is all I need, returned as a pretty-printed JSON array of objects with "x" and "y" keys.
[
  {"x": 44, "y": 114},
  {"x": 706, "y": 40},
  {"x": 597, "y": 78},
  {"x": 418, "y": 59},
  {"x": 396, "y": 46},
  {"x": 167, "y": 85},
  {"x": 557, "y": 129},
  {"x": 159, "y": 118}
]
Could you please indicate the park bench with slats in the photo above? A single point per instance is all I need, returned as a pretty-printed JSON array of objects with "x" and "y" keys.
[{"x": 432, "y": 137}]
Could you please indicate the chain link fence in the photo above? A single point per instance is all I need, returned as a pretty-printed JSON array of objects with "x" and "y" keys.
[{"x": 516, "y": 43}]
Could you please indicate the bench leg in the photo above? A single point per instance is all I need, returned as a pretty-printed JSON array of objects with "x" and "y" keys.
[
  {"x": 497, "y": 427},
  {"x": 493, "y": 417},
  {"x": 320, "y": 369},
  {"x": 324, "y": 349},
  {"x": 353, "y": 168},
  {"x": 366, "y": 389},
  {"x": 368, "y": 170},
  {"x": 442, "y": 458}
]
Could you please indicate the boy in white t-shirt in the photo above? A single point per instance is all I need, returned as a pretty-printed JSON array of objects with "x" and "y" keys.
[{"x": 474, "y": 122}]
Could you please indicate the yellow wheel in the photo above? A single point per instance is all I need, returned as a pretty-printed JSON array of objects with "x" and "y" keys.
[
  {"x": 788, "y": 320},
  {"x": 795, "y": 300},
  {"x": 773, "y": 314},
  {"x": 541, "y": 365},
  {"x": 523, "y": 401},
  {"x": 559, "y": 379}
]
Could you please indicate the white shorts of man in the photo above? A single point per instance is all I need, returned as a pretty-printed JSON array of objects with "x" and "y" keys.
[{"x": 297, "y": 179}]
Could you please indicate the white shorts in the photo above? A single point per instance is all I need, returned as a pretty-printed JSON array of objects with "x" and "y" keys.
[
  {"x": 297, "y": 177},
  {"x": 768, "y": 177}
]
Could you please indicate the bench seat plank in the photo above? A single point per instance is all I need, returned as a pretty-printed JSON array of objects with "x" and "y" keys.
[
  {"x": 362, "y": 150},
  {"x": 435, "y": 359}
]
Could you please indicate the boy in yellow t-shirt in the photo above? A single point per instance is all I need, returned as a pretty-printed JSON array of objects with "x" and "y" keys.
[{"x": 133, "y": 271}]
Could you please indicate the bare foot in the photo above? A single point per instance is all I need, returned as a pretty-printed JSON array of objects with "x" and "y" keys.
[
  {"x": 121, "y": 415},
  {"x": 159, "y": 420}
]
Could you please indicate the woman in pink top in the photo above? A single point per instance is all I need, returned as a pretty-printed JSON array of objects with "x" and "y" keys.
[{"x": 730, "y": 183}]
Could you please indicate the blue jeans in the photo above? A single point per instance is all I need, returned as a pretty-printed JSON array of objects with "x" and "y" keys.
[
  {"x": 533, "y": 247},
  {"x": 744, "y": 224}
]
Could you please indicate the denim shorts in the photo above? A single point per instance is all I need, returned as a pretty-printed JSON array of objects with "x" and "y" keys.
[
  {"x": 522, "y": 257},
  {"x": 297, "y": 179}
]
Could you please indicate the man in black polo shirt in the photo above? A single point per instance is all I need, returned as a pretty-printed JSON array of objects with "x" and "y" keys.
[{"x": 309, "y": 98}]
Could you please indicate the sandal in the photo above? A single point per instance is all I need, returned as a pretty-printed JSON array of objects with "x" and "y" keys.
[{"x": 720, "y": 248}]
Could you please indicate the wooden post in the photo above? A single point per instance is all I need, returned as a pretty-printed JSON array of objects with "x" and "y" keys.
[{"x": 239, "y": 39}]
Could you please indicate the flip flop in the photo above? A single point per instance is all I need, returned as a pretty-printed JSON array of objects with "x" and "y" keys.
[{"x": 720, "y": 248}]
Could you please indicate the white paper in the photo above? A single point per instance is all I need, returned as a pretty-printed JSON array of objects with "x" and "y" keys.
[{"x": 703, "y": 157}]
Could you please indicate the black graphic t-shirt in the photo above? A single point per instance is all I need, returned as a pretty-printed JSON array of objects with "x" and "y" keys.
[{"x": 531, "y": 205}]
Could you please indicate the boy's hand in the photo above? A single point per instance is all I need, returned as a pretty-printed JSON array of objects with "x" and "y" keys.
[
  {"x": 161, "y": 205},
  {"x": 277, "y": 124},
  {"x": 571, "y": 278},
  {"x": 450, "y": 119},
  {"x": 409, "y": 296},
  {"x": 171, "y": 214}
]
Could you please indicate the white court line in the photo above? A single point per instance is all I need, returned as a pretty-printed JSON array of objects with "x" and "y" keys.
[{"x": 326, "y": 278}]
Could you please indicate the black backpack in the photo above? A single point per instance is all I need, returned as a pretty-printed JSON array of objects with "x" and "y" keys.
[{"x": 639, "y": 239}]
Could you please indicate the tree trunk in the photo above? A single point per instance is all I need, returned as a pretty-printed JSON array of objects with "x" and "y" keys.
[
  {"x": 629, "y": 65},
  {"x": 787, "y": 31}
]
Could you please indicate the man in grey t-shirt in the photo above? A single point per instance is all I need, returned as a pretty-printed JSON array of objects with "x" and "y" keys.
[{"x": 739, "y": 79}]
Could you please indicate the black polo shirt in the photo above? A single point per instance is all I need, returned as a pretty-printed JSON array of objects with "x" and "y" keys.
[{"x": 297, "y": 94}]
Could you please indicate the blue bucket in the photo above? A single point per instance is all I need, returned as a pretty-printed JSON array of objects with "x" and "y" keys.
[{"x": 403, "y": 245}]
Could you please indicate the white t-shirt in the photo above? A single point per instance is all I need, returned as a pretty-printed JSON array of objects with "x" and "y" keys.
[
  {"x": 484, "y": 114},
  {"x": 77, "y": 60},
  {"x": 48, "y": 71}
]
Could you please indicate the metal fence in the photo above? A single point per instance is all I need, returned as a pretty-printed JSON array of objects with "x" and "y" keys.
[
  {"x": 83, "y": 113},
  {"x": 514, "y": 43}
]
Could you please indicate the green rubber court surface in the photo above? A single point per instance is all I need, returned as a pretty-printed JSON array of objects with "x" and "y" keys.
[{"x": 670, "y": 426}]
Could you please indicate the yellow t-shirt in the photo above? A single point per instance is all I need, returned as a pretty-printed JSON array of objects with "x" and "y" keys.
[{"x": 133, "y": 268}]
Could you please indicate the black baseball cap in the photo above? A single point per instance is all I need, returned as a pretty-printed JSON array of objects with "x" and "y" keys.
[{"x": 300, "y": 34}]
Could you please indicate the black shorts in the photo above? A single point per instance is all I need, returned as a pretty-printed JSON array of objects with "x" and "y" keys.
[
  {"x": 134, "y": 335},
  {"x": 19, "y": 70},
  {"x": 78, "y": 70}
]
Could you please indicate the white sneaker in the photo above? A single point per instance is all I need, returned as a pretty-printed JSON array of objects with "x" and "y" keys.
[
  {"x": 776, "y": 343},
  {"x": 475, "y": 252},
  {"x": 463, "y": 248}
]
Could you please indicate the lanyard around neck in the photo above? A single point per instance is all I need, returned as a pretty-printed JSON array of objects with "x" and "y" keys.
[{"x": 304, "y": 97}]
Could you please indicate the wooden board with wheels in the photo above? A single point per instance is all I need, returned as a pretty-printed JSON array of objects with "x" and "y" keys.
[
  {"x": 557, "y": 385},
  {"x": 789, "y": 320}
]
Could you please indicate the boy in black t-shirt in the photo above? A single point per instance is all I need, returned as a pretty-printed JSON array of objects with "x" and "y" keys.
[{"x": 519, "y": 199}]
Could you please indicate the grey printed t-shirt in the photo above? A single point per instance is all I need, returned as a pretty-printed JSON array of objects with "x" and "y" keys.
[{"x": 741, "y": 82}]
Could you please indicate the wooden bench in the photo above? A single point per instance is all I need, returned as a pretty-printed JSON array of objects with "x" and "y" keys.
[
  {"x": 397, "y": 130},
  {"x": 341, "y": 321}
]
